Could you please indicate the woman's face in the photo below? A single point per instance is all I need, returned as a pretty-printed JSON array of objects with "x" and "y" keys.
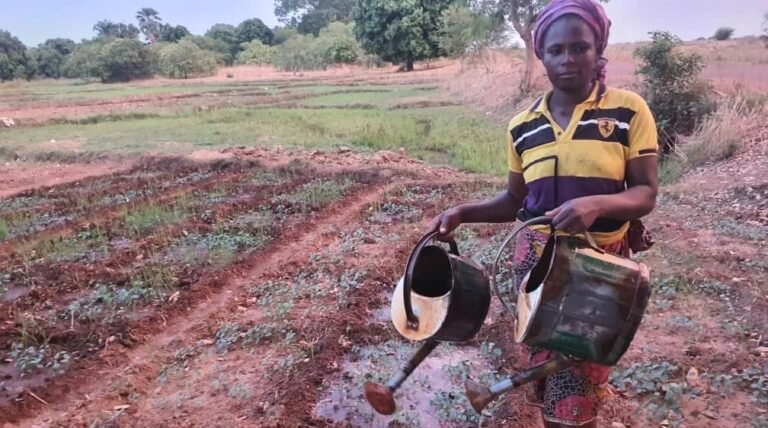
[{"x": 570, "y": 54}]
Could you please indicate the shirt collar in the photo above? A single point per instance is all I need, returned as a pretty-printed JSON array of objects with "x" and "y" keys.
[{"x": 597, "y": 94}]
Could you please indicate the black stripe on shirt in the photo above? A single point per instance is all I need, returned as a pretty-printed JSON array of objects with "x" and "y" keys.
[
  {"x": 541, "y": 137},
  {"x": 591, "y": 131}
]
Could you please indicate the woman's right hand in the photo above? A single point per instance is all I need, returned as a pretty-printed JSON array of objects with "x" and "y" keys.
[{"x": 445, "y": 223}]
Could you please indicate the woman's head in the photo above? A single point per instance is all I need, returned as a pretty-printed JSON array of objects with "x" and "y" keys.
[{"x": 570, "y": 37}]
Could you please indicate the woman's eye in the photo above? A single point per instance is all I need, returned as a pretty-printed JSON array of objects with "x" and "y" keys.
[{"x": 581, "y": 49}]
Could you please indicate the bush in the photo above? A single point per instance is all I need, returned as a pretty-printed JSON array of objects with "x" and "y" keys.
[
  {"x": 340, "y": 43},
  {"x": 185, "y": 59},
  {"x": 220, "y": 49},
  {"x": 256, "y": 53},
  {"x": 122, "y": 60},
  {"x": 301, "y": 53},
  {"x": 672, "y": 86},
  {"x": 83, "y": 62},
  {"x": 15, "y": 62},
  {"x": 51, "y": 56},
  {"x": 723, "y": 33},
  {"x": 282, "y": 34}
]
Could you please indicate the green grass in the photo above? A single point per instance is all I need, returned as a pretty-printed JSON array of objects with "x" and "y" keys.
[
  {"x": 75, "y": 90},
  {"x": 315, "y": 194},
  {"x": 150, "y": 216},
  {"x": 5, "y": 230},
  {"x": 444, "y": 134},
  {"x": 377, "y": 98}
]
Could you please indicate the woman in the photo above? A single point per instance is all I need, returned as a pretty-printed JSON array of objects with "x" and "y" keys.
[{"x": 584, "y": 155}]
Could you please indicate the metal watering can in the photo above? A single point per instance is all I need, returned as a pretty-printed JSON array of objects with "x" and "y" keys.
[
  {"x": 577, "y": 300},
  {"x": 443, "y": 297}
]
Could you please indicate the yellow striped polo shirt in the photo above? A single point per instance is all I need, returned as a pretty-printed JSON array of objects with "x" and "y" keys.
[{"x": 590, "y": 157}]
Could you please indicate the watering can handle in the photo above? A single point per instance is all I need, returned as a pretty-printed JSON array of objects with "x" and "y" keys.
[
  {"x": 412, "y": 320},
  {"x": 520, "y": 227}
]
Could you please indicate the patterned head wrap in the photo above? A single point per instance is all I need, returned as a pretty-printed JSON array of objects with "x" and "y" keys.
[{"x": 590, "y": 11}]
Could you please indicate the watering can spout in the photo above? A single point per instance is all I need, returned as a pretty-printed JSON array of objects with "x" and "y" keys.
[{"x": 481, "y": 396}]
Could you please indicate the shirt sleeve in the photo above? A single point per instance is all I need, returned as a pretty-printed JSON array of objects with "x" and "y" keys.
[
  {"x": 643, "y": 136},
  {"x": 513, "y": 158}
]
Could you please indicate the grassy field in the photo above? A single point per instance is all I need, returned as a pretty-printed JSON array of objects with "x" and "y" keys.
[{"x": 367, "y": 118}]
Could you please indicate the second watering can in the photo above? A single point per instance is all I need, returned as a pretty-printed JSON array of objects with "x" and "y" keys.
[{"x": 442, "y": 297}]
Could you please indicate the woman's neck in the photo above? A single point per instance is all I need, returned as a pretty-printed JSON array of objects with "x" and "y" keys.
[{"x": 569, "y": 99}]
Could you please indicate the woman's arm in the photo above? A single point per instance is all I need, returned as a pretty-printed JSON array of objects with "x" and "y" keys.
[
  {"x": 500, "y": 209},
  {"x": 578, "y": 215}
]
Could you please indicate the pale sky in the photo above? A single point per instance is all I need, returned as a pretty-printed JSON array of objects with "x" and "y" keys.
[{"x": 33, "y": 21}]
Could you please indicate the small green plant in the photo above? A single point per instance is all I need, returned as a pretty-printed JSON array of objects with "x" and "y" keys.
[
  {"x": 151, "y": 216},
  {"x": 5, "y": 229},
  {"x": 227, "y": 335},
  {"x": 653, "y": 378},
  {"x": 32, "y": 331},
  {"x": 314, "y": 195},
  {"x": 29, "y": 358}
]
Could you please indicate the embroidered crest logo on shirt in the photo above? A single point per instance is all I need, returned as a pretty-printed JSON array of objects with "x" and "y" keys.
[{"x": 606, "y": 127}]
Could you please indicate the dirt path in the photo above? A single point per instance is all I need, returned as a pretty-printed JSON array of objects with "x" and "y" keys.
[{"x": 17, "y": 177}]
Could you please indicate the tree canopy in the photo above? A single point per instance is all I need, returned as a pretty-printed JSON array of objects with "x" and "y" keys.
[
  {"x": 400, "y": 31},
  {"x": 310, "y": 16}
]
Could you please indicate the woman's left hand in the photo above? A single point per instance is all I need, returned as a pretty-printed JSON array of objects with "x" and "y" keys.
[{"x": 576, "y": 215}]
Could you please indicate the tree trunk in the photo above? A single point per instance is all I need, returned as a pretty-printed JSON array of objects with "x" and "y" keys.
[
  {"x": 526, "y": 83},
  {"x": 409, "y": 64}
]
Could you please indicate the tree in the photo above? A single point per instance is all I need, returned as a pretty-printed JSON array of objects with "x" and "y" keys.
[
  {"x": 226, "y": 34},
  {"x": 85, "y": 61},
  {"x": 256, "y": 53},
  {"x": 723, "y": 33},
  {"x": 106, "y": 29},
  {"x": 185, "y": 59},
  {"x": 221, "y": 51},
  {"x": 672, "y": 87},
  {"x": 310, "y": 16},
  {"x": 301, "y": 53},
  {"x": 522, "y": 15},
  {"x": 400, "y": 31},
  {"x": 51, "y": 55},
  {"x": 253, "y": 29},
  {"x": 15, "y": 62},
  {"x": 282, "y": 34},
  {"x": 172, "y": 33},
  {"x": 340, "y": 44},
  {"x": 149, "y": 23},
  {"x": 123, "y": 60},
  {"x": 463, "y": 30}
]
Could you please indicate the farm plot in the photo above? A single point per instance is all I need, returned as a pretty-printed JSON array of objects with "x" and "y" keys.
[{"x": 96, "y": 264}]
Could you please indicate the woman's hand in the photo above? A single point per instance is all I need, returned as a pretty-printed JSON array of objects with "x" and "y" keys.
[
  {"x": 445, "y": 223},
  {"x": 576, "y": 215}
]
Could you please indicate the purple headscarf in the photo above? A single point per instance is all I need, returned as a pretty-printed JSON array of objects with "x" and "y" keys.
[{"x": 588, "y": 10}]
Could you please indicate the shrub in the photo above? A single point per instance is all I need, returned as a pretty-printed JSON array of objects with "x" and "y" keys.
[
  {"x": 723, "y": 33},
  {"x": 335, "y": 44},
  {"x": 83, "y": 62},
  {"x": 301, "y": 53},
  {"x": 185, "y": 59},
  {"x": 672, "y": 86},
  {"x": 15, "y": 62},
  {"x": 220, "y": 49},
  {"x": 122, "y": 60},
  {"x": 256, "y": 53}
]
